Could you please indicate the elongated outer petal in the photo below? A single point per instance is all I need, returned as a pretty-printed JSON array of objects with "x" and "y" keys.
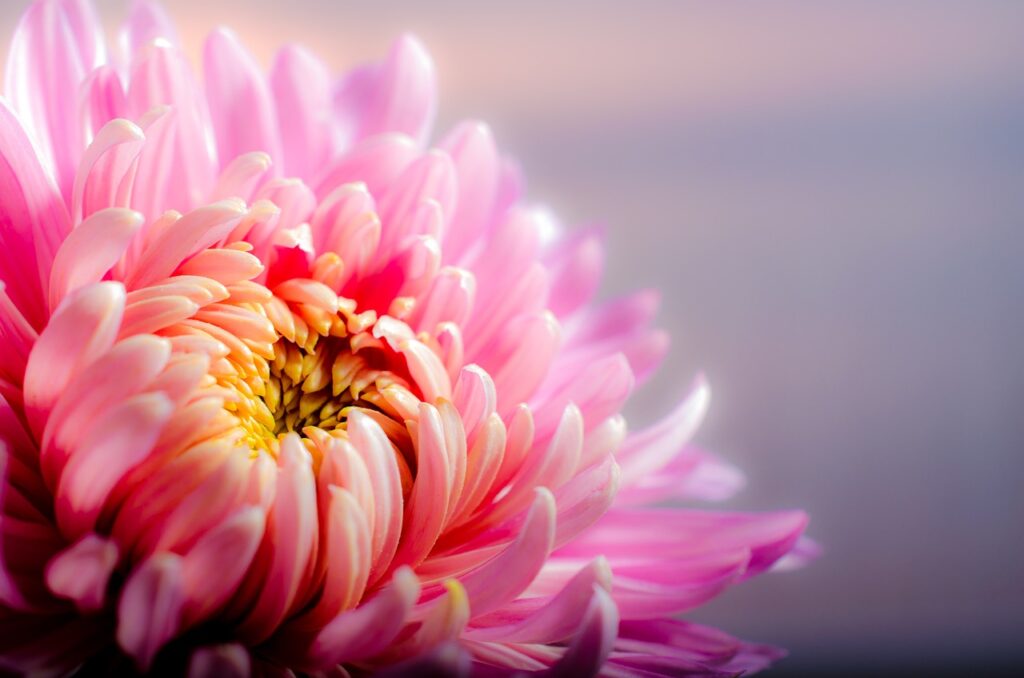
[
  {"x": 176, "y": 171},
  {"x": 585, "y": 498},
  {"x": 651, "y": 449},
  {"x": 555, "y": 619},
  {"x": 102, "y": 99},
  {"x": 301, "y": 85},
  {"x": 236, "y": 91},
  {"x": 375, "y": 162},
  {"x": 431, "y": 177},
  {"x": 370, "y": 628},
  {"x": 477, "y": 166},
  {"x": 531, "y": 345},
  {"x": 508, "y": 574},
  {"x": 576, "y": 272},
  {"x": 147, "y": 22},
  {"x": 443, "y": 620},
  {"x": 56, "y": 44},
  {"x": 18, "y": 337},
  {"x": 33, "y": 220},
  {"x": 623, "y": 532},
  {"x": 149, "y": 613},
  {"x": 81, "y": 572},
  {"x": 91, "y": 251},
  {"x": 83, "y": 328},
  {"x": 398, "y": 95},
  {"x": 592, "y": 645}
]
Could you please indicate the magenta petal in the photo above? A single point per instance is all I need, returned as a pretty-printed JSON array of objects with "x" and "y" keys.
[
  {"x": 149, "y": 613},
  {"x": 57, "y": 43},
  {"x": 33, "y": 219},
  {"x": 367, "y": 630},
  {"x": 508, "y": 574},
  {"x": 220, "y": 661},
  {"x": 543, "y": 619},
  {"x": 651, "y": 449},
  {"x": 594, "y": 640},
  {"x": 81, "y": 572}
]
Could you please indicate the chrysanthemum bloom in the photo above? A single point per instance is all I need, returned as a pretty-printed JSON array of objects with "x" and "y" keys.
[{"x": 283, "y": 388}]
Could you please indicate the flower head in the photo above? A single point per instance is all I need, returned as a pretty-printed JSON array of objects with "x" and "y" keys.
[{"x": 284, "y": 387}]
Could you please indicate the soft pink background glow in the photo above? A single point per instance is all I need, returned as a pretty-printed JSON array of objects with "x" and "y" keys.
[{"x": 830, "y": 196}]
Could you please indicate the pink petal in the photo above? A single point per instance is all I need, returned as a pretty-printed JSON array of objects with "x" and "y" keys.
[
  {"x": 81, "y": 572},
  {"x": 215, "y": 565},
  {"x": 107, "y": 171},
  {"x": 507, "y": 575},
  {"x": 649, "y": 450},
  {"x": 291, "y": 531},
  {"x": 147, "y": 22},
  {"x": 370, "y": 628},
  {"x": 220, "y": 661},
  {"x": 236, "y": 90},
  {"x": 103, "y": 99},
  {"x": 477, "y": 168},
  {"x": 241, "y": 176},
  {"x": 368, "y": 438},
  {"x": 193, "y": 232},
  {"x": 91, "y": 392},
  {"x": 431, "y": 177},
  {"x": 475, "y": 398},
  {"x": 55, "y": 45},
  {"x": 431, "y": 493},
  {"x": 149, "y": 613},
  {"x": 119, "y": 440},
  {"x": 398, "y": 95},
  {"x": 376, "y": 162},
  {"x": 82, "y": 329},
  {"x": 522, "y": 358},
  {"x": 91, "y": 251},
  {"x": 347, "y": 557},
  {"x": 576, "y": 272},
  {"x": 442, "y": 620},
  {"x": 449, "y": 299},
  {"x": 161, "y": 76},
  {"x": 593, "y": 643},
  {"x": 301, "y": 85},
  {"x": 551, "y": 619},
  {"x": 18, "y": 337},
  {"x": 33, "y": 219}
]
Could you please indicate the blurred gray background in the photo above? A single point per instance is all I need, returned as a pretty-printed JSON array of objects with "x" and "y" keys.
[{"x": 830, "y": 196}]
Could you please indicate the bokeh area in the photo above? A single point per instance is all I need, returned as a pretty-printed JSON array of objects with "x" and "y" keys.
[{"x": 831, "y": 197}]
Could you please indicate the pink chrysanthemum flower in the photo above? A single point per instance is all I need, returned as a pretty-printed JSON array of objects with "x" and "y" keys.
[{"x": 283, "y": 389}]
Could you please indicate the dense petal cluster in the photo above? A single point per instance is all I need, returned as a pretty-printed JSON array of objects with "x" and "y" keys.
[{"x": 284, "y": 389}]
